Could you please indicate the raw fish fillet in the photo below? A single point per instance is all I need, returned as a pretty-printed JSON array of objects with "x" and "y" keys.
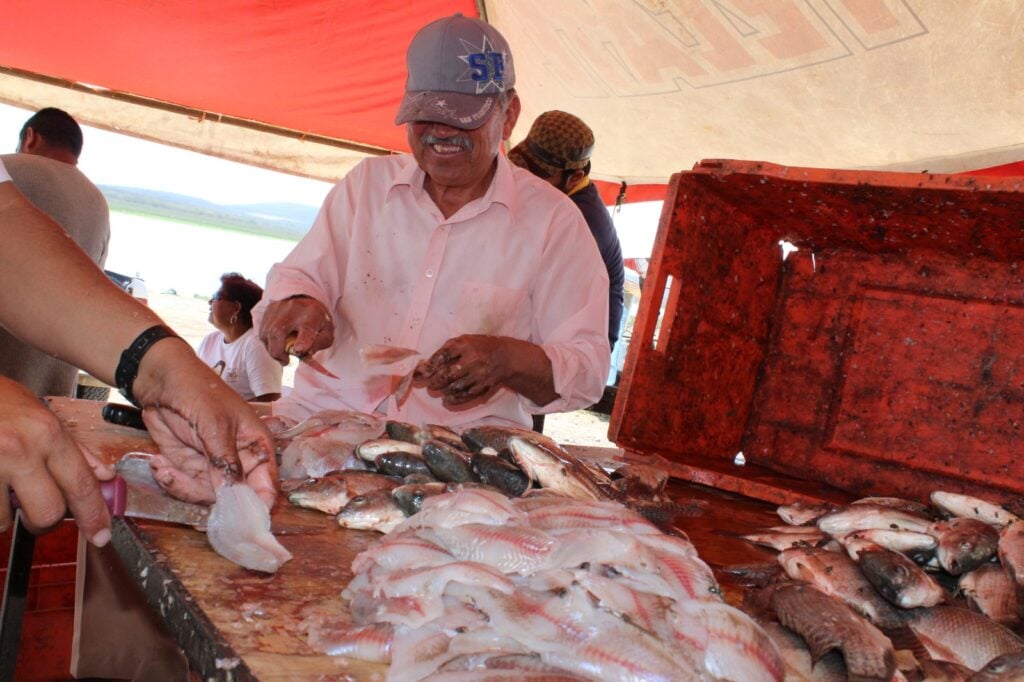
[{"x": 239, "y": 530}]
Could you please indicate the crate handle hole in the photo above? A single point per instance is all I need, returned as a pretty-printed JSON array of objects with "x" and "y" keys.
[
  {"x": 663, "y": 325},
  {"x": 787, "y": 248}
]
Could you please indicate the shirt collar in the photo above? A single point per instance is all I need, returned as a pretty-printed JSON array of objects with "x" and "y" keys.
[{"x": 502, "y": 189}]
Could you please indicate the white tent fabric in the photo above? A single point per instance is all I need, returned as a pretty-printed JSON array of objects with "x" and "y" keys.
[
  {"x": 873, "y": 84},
  {"x": 885, "y": 84}
]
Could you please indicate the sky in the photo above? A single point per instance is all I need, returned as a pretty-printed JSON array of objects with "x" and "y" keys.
[{"x": 170, "y": 169}]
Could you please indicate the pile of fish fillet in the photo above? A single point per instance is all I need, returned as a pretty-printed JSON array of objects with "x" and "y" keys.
[
  {"x": 481, "y": 586},
  {"x": 888, "y": 588},
  {"x": 545, "y": 574}
]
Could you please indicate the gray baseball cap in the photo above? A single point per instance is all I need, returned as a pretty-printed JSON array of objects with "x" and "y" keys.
[{"x": 458, "y": 66}]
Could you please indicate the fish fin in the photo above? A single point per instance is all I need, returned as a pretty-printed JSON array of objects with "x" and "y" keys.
[{"x": 404, "y": 388}]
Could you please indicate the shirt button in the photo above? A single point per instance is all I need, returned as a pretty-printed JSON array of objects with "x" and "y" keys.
[{"x": 430, "y": 273}]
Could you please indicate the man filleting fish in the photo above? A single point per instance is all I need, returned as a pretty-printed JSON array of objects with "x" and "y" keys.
[{"x": 451, "y": 251}]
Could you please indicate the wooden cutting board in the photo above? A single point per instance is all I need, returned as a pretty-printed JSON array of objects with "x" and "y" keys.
[{"x": 233, "y": 623}]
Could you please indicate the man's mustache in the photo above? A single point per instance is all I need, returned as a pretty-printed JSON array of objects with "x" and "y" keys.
[{"x": 459, "y": 140}]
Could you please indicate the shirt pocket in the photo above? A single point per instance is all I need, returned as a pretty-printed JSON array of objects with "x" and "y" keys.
[{"x": 485, "y": 308}]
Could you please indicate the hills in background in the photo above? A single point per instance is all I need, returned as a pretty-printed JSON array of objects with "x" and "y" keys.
[{"x": 283, "y": 220}]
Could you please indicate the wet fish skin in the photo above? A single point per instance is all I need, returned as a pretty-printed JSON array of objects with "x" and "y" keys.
[
  {"x": 444, "y": 434},
  {"x": 964, "y": 544},
  {"x": 418, "y": 478},
  {"x": 332, "y": 492},
  {"x": 369, "y": 450},
  {"x": 990, "y": 590},
  {"x": 410, "y": 433},
  {"x": 864, "y": 516},
  {"x": 944, "y": 671},
  {"x": 495, "y": 437},
  {"x": 496, "y": 471},
  {"x": 409, "y": 498},
  {"x": 801, "y": 513},
  {"x": 448, "y": 463},
  {"x": 827, "y": 623},
  {"x": 784, "y": 537},
  {"x": 401, "y": 464},
  {"x": 799, "y": 665},
  {"x": 915, "y": 545},
  {"x": 966, "y": 506},
  {"x": 956, "y": 634},
  {"x": 838, "y": 575},
  {"x": 376, "y": 510},
  {"x": 898, "y": 579},
  {"x": 1005, "y": 668},
  {"x": 555, "y": 468},
  {"x": 1011, "y": 554}
]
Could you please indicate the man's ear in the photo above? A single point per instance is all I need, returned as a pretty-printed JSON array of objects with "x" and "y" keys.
[
  {"x": 31, "y": 142},
  {"x": 511, "y": 116},
  {"x": 573, "y": 179}
]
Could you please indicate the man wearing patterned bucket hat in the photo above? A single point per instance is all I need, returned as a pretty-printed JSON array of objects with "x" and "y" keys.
[
  {"x": 557, "y": 150},
  {"x": 450, "y": 251}
]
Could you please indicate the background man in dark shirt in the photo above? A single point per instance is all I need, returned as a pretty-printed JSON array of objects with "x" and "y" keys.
[{"x": 558, "y": 150}]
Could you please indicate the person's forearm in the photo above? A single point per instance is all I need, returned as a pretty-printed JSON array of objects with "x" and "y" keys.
[
  {"x": 54, "y": 297},
  {"x": 527, "y": 370}
]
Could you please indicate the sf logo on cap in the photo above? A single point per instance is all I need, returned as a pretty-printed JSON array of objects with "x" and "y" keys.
[{"x": 486, "y": 67}]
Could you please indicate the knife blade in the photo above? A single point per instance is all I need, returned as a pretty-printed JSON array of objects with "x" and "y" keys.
[
  {"x": 306, "y": 358},
  {"x": 133, "y": 492},
  {"x": 147, "y": 500}
]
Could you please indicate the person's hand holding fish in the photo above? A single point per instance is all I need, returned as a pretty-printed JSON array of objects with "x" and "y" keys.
[
  {"x": 298, "y": 326},
  {"x": 470, "y": 366},
  {"x": 196, "y": 418}
]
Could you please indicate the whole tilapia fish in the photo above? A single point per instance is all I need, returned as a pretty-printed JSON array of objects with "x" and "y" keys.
[
  {"x": 554, "y": 468},
  {"x": 865, "y": 516},
  {"x": 376, "y": 510},
  {"x": 837, "y": 574},
  {"x": 899, "y": 579},
  {"x": 826, "y": 623},
  {"x": 915, "y": 545},
  {"x": 447, "y": 462},
  {"x": 955, "y": 634},
  {"x": 410, "y": 497},
  {"x": 964, "y": 544},
  {"x": 330, "y": 493},
  {"x": 785, "y": 537},
  {"x": 969, "y": 507}
]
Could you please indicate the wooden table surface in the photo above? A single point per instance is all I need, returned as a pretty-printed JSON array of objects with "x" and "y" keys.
[{"x": 233, "y": 623}]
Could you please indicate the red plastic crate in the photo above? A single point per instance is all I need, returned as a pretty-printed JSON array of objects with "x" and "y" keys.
[
  {"x": 48, "y": 625},
  {"x": 885, "y": 356}
]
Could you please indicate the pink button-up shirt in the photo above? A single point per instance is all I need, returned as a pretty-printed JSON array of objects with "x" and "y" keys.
[{"x": 391, "y": 269}]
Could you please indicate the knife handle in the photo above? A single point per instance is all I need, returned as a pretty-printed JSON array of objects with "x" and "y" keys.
[
  {"x": 114, "y": 491},
  {"x": 123, "y": 415}
]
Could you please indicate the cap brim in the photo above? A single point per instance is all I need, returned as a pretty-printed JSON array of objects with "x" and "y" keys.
[
  {"x": 454, "y": 109},
  {"x": 520, "y": 155}
]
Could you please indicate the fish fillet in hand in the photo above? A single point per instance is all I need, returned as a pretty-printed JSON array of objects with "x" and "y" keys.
[{"x": 239, "y": 530}]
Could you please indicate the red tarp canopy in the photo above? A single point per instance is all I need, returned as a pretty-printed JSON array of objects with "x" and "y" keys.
[{"x": 311, "y": 86}]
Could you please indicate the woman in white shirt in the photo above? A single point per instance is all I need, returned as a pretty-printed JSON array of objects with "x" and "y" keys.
[{"x": 234, "y": 351}]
